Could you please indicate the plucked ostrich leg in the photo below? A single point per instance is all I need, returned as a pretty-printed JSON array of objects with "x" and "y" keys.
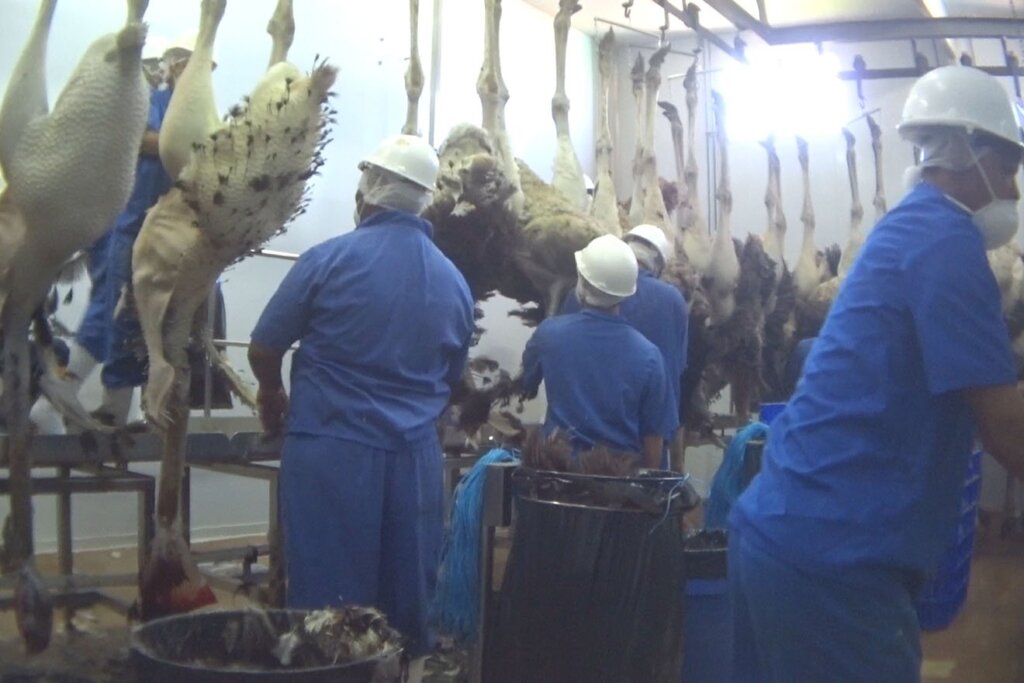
[
  {"x": 856, "y": 236},
  {"x": 192, "y": 113},
  {"x": 605, "y": 207},
  {"x": 413, "y": 74},
  {"x": 876, "y": 149},
  {"x": 491, "y": 88},
  {"x": 723, "y": 271},
  {"x": 568, "y": 174},
  {"x": 647, "y": 204},
  {"x": 696, "y": 243},
  {"x": 805, "y": 275},
  {"x": 281, "y": 28}
]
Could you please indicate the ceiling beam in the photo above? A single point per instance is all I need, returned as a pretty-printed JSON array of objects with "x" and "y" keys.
[
  {"x": 741, "y": 18},
  {"x": 896, "y": 29},
  {"x": 850, "y": 31},
  {"x": 689, "y": 18}
]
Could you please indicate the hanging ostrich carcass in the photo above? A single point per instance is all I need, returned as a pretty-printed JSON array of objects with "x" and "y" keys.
[
  {"x": 605, "y": 207},
  {"x": 69, "y": 172},
  {"x": 693, "y": 241},
  {"x": 648, "y": 204},
  {"x": 242, "y": 181}
]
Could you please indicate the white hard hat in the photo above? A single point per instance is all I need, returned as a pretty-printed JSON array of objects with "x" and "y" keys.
[
  {"x": 608, "y": 265},
  {"x": 184, "y": 41},
  {"x": 961, "y": 97},
  {"x": 653, "y": 235},
  {"x": 407, "y": 156},
  {"x": 155, "y": 47}
]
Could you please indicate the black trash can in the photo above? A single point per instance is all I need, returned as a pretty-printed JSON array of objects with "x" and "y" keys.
[
  {"x": 211, "y": 647},
  {"x": 584, "y": 593},
  {"x": 708, "y": 630}
]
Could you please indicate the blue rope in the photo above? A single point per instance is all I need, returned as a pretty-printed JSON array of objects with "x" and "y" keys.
[
  {"x": 456, "y": 606},
  {"x": 725, "y": 488}
]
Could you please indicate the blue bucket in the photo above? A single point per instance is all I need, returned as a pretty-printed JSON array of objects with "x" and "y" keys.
[{"x": 770, "y": 411}]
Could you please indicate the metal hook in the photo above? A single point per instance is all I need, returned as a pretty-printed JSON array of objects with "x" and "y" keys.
[
  {"x": 859, "y": 67},
  {"x": 1013, "y": 64},
  {"x": 664, "y": 28},
  {"x": 627, "y": 7}
]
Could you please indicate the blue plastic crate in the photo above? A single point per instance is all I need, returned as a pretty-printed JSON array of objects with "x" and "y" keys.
[
  {"x": 770, "y": 411},
  {"x": 935, "y": 614}
]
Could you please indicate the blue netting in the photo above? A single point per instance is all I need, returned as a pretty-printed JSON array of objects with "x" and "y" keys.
[
  {"x": 726, "y": 486},
  {"x": 457, "y": 601}
]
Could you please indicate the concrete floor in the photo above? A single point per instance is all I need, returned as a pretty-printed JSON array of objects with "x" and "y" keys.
[{"x": 983, "y": 644}]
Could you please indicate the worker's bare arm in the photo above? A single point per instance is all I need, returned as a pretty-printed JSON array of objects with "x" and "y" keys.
[{"x": 999, "y": 412}]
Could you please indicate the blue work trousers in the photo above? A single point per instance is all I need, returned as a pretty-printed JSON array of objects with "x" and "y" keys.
[
  {"x": 93, "y": 334},
  {"x": 857, "y": 625},
  {"x": 364, "y": 526}
]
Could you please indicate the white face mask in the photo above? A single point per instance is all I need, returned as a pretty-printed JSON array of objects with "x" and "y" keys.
[{"x": 997, "y": 220}]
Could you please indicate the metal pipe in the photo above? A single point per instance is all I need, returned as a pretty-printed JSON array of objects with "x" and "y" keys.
[
  {"x": 270, "y": 253},
  {"x": 435, "y": 69}
]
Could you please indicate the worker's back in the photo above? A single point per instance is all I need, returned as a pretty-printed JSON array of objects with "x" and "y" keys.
[
  {"x": 659, "y": 312},
  {"x": 387, "y": 323},
  {"x": 605, "y": 382}
]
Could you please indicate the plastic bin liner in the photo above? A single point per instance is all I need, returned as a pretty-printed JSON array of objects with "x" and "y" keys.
[{"x": 586, "y": 590}]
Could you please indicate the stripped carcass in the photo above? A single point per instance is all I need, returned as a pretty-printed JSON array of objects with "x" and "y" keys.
[
  {"x": 238, "y": 184},
  {"x": 806, "y": 274},
  {"x": 69, "y": 172},
  {"x": 605, "y": 207},
  {"x": 567, "y": 177}
]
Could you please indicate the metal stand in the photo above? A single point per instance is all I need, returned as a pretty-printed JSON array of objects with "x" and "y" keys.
[
  {"x": 87, "y": 456},
  {"x": 74, "y": 591}
]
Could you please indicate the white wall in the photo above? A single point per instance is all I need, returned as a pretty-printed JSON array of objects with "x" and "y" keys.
[{"x": 369, "y": 42}]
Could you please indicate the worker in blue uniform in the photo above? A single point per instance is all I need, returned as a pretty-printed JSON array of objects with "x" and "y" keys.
[
  {"x": 658, "y": 311},
  {"x": 109, "y": 336},
  {"x": 605, "y": 382},
  {"x": 384, "y": 321},
  {"x": 863, "y": 471}
]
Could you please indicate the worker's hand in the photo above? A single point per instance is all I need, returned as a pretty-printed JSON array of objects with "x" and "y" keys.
[{"x": 273, "y": 407}]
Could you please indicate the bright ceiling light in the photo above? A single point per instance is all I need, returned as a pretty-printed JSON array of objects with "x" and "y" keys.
[{"x": 784, "y": 91}]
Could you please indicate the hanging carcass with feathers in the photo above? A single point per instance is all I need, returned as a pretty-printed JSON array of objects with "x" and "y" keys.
[
  {"x": 605, "y": 207},
  {"x": 526, "y": 228},
  {"x": 736, "y": 331},
  {"x": 69, "y": 172},
  {"x": 238, "y": 183},
  {"x": 413, "y": 73}
]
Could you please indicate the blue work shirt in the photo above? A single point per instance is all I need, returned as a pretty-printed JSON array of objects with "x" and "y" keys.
[
  {"x": 659, "y": 312},
  {"x": 605, "y": 382},
  {"x": 384, "y": 322},
  {"x": 151, "y": 180},
  {"x": 866, "y": 464}
]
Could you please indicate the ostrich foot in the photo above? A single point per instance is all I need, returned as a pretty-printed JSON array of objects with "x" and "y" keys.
[
  {"x": 170, "y": 582},
  {"x": 33, "y": 609}
]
